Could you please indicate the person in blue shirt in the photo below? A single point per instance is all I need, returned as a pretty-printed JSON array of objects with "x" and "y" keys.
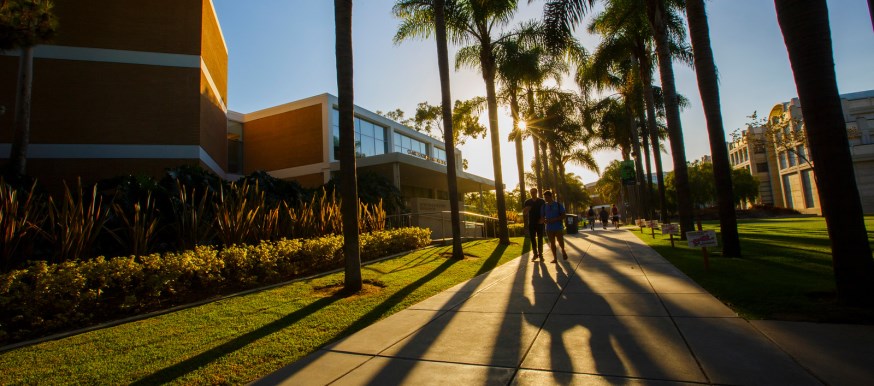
[{"x": 554, "y": 214}]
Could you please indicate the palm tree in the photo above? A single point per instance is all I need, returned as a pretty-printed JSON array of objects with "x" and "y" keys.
[
  {"x": 348, "y": 177},
  {"x": 474, "y": 22},
  {"x": 806, "y": 32},
  {"x": 514, "y": 60},
  {"x": 23, "y": 25},
  {"x": 448, "y": 134},
  {"x": 708, "y": 86},
  {"x": 417, "y": 17},
  {"x": 660, "y": 13}
]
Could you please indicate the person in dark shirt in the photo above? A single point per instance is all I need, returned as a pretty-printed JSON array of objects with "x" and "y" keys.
[
  {"x": 604, "y": 216},
  {"x": 533, "y": 212}
]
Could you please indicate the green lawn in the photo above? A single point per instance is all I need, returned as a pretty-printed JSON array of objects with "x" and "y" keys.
[
  {"x": 239, "y": 339},
  {"x": 785, "y": 272}
]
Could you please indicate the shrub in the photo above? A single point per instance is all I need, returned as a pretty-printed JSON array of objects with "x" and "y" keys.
[
  {"x": 516, "y": 230},
  {"x": 45, "y": 298}
]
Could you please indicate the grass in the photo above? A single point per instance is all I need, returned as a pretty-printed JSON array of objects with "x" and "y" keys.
[
  {"x": 785, "y": 272},
  {"x": 240, "y": 339}
]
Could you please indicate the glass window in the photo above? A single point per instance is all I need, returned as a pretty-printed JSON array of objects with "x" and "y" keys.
[
  {"x": 801, "y": 153},
  {"x": 791, "y": 158},
  {"x": 762, "y": 167},
  {"x": 379, "y": 132},
  {"x": 407, "y": 143},
  {"x": 367, "y": 129},
  {"x": 783, "y": 160},
  {"x": 367, "y": 146},
  {"x": 380, "y": 147},
  {"x": 807, "y": 186},
  {"x": 787, "y": 192},
  {"x": 439, "y": 154}
]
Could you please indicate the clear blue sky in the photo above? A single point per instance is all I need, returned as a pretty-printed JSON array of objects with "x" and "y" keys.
[{"x": 281, "y": 51}]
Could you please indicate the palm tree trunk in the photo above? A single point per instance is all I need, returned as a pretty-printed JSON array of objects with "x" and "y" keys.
[
  {"x": 348, "y": 177},
  {"x": 806, "y": 32},
  {"x": 638, "y": 165},
  {"x": 553, "y": 163},
  {"x": 708, "y": 86},
  {"x": 448, "y": 134},
  {"x": 23, "y": 99},
  {"x": 544, "y": 156},
  {"x": 647, "y": 186},
  {"x": 871, "y": 11},
  {"x": 538, "y": 169},
  {"x": 655, "y": 12},
  {"x": 517, "y": 140},
  {"x": 488, "y": 68},
  {"x": 538, "y": 174},
  {"x": 652, "y": 126}
]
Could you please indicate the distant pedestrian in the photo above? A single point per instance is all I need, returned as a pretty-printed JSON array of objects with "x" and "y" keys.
[
  {"x": 590, "y": 217},
  {"x": 554, "y": 214},
  {"x": 533, "y": 211},
  {"x": 615, "y": 212},
  {"x": 604, "y": 216}
]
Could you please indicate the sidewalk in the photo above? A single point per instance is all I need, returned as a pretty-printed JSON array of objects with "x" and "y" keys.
[{"x": 615, "y": 312}]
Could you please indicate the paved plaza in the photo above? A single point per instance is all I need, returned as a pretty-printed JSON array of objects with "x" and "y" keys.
[{"x": 615, "y": 312}]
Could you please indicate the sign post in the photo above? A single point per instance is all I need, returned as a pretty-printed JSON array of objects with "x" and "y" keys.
[
  {"x": 653, "y": 224},
  {"x": 702, "y": 239},
  {"x": 670, "y": 229}
]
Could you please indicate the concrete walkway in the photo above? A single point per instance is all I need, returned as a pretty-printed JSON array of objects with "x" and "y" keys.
[{"x": 615, "y": 312}]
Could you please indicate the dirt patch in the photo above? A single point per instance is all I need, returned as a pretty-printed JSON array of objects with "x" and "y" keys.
[
  {"x": 369, "y": 287},
  {"x": 448, "y": 255}
]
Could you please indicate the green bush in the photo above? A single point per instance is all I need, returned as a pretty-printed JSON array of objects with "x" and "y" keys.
[
  {"x": 517, "y": 230},
  {"x": 46, "y": 298}
]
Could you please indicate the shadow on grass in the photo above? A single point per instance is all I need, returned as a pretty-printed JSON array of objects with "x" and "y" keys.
[
  {"x": 492, "y": 261},
  {"x": 177, "y": 370},
  {"x": 386, "y": 306}
]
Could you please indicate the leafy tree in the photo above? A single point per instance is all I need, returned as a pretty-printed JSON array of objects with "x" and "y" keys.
[
  {"x": 23, "y": 25},
  {"x": 488, "y": 204},
  {"x": 702, "y": 184},
  {"x": 609, "y": 186},
  {"x": 807, "y": 34},
  {"x": 348, "y": 177},
  {"x": 465, "y": 120},
  {"x": 746, "y": 186}
]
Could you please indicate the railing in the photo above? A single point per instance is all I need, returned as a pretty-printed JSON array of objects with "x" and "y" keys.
[{"x": 474, "y": 225}]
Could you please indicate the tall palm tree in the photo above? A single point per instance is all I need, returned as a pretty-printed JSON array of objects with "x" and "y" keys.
[
  {"x": 806, "y": 32},
  {"x": 23, "y": 25},
  {"x": 514, "y": 60},
  {"x": 708, "y": 86},
  {"x": 475, "y": 22},
  {"x": 448, "y": 133},
  {"x": 348, "y": 177},
  {"x": 418, "y": 18},
  {"x": 660, "y": 13}
]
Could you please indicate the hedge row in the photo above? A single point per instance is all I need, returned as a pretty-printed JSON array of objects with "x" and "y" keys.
[{"x": 47, "y": 298}]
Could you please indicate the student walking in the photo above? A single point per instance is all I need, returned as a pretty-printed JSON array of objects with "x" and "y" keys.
[
  {"x": 533, "y": 212},
  {"x": 615, "y": 212},
  {"x": 590, "y": 217},
  {"x": 604, "y": 216},
  {"x": 554, "y": 214}
]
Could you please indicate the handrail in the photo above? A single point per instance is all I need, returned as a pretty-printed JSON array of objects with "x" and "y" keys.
[{"x": 487, "y": 224}]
